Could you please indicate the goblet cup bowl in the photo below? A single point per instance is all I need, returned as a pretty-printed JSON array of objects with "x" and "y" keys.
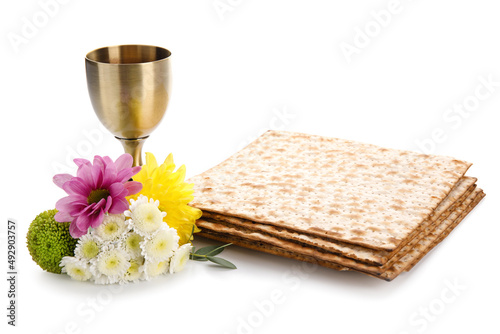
[{"x": 129, "y": 87}]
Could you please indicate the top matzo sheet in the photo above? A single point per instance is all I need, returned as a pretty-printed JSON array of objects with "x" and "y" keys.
[{"x": 344, "y": 190}]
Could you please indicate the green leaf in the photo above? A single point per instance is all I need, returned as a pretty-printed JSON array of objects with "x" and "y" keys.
[
  {"x": 197, "y": 258},
  {"x": 221, "y": 262},
  {"x": 211, "y": 250}
]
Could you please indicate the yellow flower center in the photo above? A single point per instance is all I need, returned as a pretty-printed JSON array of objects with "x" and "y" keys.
[
  {"x": 161, "y": 246},
  {"x": 96, "y": 195},
  {"x": 161, "y": 266},
  {"x": 112, "y": 263},
  {"x": 183, "y": 260},
  {"x": 90, "y": 249},
  {"x": 134, "y": 267},
  {"x": 147, "y": 217},
  {"x": 133, "y": 241},
  {"x": 111, "y": 228}
]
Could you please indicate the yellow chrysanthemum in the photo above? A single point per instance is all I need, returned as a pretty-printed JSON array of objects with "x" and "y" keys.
[{"x": 168, "y": 187}]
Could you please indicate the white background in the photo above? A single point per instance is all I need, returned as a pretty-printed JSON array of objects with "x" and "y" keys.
[{"x": 233, "y": 73}]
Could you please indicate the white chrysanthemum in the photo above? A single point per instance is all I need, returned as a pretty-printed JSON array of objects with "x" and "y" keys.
[
  {"x": 135, "y": 271},
  {"x": 145, "y": 216},
  {"x": 132, "y": 244},
  {"x": 155, "y": 268},
  {"x": 111, "y": 228},
  {"x": 76, "y": 269},
  {"x": 88, "y": 247},
  {"x": 161, "y": 245},
  {"x": 181, "y": 256},
  {"x": 112, "y": 262}
]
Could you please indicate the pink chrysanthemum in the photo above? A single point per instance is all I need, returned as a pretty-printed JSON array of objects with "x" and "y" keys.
[{"x": 96, "y": 189}]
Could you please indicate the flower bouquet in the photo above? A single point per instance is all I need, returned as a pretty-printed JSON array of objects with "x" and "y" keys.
[{"x": 119, "y": 223}]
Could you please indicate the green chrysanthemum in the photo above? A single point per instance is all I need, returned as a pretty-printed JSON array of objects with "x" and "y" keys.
[{"x": 49, "y": 241}]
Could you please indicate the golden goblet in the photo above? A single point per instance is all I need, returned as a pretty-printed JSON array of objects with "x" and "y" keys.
[{"x": 129, "y": 86}]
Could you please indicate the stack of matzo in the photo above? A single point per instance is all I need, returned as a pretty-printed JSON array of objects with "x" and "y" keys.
[{"x": 338, "y": 203}]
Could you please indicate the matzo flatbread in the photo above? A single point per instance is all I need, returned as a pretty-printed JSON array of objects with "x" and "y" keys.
[
  {"x": 430, "y": 241},
  {"x": 427, "y": 244},
  {"x": 359, "y": 253},
  {"x": 343, "y": 190},
  {"x": 320, "y": 254},
  {"x": 262, "y": 246}
]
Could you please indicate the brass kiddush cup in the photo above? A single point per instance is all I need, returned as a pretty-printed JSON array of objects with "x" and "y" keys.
[{"x": 129, "y": 86}]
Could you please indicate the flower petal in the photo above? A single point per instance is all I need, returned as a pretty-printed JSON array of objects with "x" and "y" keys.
[
  {"x": 94, "y": 208},
  {"x": 60, "y": 179},
  {"x": 65, "y": 203},
  {"x": 133, "y": 187},
  {"x": 151, "y": 163},
  {"x": 136, "y": 170},
  {"x": 76, "y": 187},
  {"x": 117, "y": 189},
  {"x": 75, "y": 231},
  {"x": 85, "y": 173},
  {"x": 82, "y": 222},
  {"x": 77, "y": 208},
  {"x": 109, "y": 178},
  {"x": 119, "y": 206},
  {"x": 124, "y": 175},
  {"x": 80, "y": 162},
  {"x": 109, "y": 202},
  {"x": 99, "y": 161},
  {"x": 63, "y": 217},
  {"x": 97, "y": 176},
  {"x": 124, "y": 161},
  {"x": 108, "y": 161},
  {"x": 96, "y": 219}
]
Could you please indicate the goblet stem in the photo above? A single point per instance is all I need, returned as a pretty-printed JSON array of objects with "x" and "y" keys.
[{"x": 134, "y": 148}]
